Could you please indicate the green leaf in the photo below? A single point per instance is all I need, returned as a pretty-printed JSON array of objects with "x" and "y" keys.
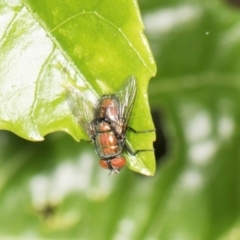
[
  {"x": 194, "y": 194},
  {"x": 44, "y": 44}
]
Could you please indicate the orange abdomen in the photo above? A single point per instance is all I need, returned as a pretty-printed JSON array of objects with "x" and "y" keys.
[{"x": 107, "y": 144}]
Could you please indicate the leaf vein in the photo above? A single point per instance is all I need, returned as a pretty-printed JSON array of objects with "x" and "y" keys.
[
  {"x": 4, "y": 36},
  {"x": 41, "y": 73},
  {"x": 111, "y": 24}
]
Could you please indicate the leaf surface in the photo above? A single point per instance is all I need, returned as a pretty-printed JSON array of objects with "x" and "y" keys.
[
  {"x": 194, "y": 194},
  {"x": 45, "y": 44}
]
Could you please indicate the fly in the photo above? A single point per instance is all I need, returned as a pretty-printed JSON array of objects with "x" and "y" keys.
[{"x": 105, "y": 119}]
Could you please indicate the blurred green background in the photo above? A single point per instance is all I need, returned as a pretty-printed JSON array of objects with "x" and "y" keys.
[{"x": 56, "y": 190}]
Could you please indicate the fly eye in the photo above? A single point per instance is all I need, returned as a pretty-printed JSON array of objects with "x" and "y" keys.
[
  {"x": 115, "y": 163},
  {"x": 118, "y": 162},
  {"x": 103, "y": 164}
]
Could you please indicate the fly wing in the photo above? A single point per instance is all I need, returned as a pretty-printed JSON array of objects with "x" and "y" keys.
[
  {"x": 126, "y": 99},
  {"x": 82, "y": 104}
]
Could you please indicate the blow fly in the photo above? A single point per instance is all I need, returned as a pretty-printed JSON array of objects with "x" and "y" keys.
[{"x": 105, "y": 119}]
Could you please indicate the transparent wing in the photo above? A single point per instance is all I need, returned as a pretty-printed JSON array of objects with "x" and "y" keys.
[
  {"x": 126, "y": 99},
  {"x": 82, "y": 104}
]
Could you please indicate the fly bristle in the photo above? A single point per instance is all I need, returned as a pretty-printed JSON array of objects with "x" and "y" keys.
[{"x": 113, "y": 171}]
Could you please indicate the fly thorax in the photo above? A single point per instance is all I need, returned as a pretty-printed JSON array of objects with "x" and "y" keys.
[
  {"x": 112, "y": 112},
  {"x": 107, "y": 108}
]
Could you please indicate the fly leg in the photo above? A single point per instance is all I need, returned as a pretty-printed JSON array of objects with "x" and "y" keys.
[
  {"x": 132, "y": 152},
  {"x": 92, "y": 139},
  {"x": 144, "y": 131},
  {"x": 129, "y": 149}
]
